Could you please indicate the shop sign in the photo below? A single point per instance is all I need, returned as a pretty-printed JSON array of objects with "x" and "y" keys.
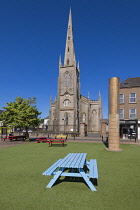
[{"x": 128, "y": 122}]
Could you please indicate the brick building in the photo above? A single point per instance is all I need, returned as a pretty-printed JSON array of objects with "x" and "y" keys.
[{"x": 130, "y": 108}]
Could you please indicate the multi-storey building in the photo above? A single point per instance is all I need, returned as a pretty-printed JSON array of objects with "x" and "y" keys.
[
  {"x": 130, "y": 108},
  {"x": 70, "y": 107}
]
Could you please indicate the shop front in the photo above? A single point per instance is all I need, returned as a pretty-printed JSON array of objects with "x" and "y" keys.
[{"x": 129, "y": 129}]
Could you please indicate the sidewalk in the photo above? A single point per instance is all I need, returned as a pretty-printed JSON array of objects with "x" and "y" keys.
[
  {"x": 87, "y": 139},
  {"x": 99, "y": 140},
  {"x": 8, "y": 143}
]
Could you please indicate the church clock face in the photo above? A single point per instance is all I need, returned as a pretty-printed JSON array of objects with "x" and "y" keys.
[{"x": 66, "y": 94}]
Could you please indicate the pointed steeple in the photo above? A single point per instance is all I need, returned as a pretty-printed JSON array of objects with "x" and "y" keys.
[
  {"x": 60, "y": 62},
  {"x": 50, "y": 99},
  {"x": 99, "y": 95},
  {"x": 78, "y": 65},
  {"x": 69, "y": 58},
  {"x": 88, "y": 95}
]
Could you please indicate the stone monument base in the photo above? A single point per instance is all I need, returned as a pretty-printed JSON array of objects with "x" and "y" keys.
[{"x": 114, "y": 150}]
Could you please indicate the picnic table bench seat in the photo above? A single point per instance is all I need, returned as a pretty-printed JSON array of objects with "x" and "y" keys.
[
  {"x": 4, "y": 138},
  {"x": 93, "y": 170},
  {"x": 50, "y": 170}
]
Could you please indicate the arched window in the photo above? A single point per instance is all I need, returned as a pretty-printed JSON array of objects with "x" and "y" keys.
[
  {"x": 66, "y": 103},
  {"x": 84, "y": 117},
  {"x": 66, "y": 79},
  {"x": 94, "y": 117}
]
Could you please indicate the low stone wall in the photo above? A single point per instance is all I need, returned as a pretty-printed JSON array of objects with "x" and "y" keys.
[
  {"x": 42, "y": 134},
  {"x": 35, "y": 134}
]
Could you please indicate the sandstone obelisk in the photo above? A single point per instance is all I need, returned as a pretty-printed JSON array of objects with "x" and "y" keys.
[{"x": 114, "y": 135}]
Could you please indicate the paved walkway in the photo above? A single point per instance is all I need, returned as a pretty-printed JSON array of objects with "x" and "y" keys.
[
  {"x": 99, "y": 140},
  {"x": 7, "y": 143}
]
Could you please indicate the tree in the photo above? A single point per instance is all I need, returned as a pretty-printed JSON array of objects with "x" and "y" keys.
[{"x": 21, "y": 113}]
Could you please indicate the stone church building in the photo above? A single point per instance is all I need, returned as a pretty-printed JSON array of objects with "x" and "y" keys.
[{"x": 71, "y": 112}]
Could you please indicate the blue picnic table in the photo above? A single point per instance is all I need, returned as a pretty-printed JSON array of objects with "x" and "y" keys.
[{"x": 75, "y": 163}]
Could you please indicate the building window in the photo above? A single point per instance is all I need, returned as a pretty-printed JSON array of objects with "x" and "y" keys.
[
  {"x": 121, "y": 113},
  {"x": 132, "y": 113},
  {"x": 66, "y": 103},
  {"x": 121, "y": 98},
  {"x": 132, "y": 97},
  {"x": 84, "y": 117},
  {"x": 94, "y": 118}
]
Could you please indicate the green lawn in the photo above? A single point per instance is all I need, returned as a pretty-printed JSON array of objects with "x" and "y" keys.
[{"x": 22, "y": 185}]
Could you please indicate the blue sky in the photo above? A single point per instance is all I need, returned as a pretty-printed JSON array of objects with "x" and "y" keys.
[{"x": 33, "y": 34}]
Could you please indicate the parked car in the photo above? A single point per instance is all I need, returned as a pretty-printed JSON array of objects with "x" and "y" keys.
[{"x": 28, "y": 130}]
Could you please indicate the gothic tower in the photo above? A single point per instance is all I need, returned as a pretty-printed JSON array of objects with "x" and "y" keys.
[
  {"x": 68, "y": 86},
  {"x": 70, "y": 109}
]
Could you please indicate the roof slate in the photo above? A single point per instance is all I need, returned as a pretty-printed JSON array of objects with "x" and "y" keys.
[{"x": 130, "y": 82}]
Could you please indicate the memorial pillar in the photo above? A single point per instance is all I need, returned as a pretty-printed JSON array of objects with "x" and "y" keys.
[{"x": 114, "y": 124}]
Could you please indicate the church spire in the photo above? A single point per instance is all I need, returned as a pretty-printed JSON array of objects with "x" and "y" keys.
[
  {"x": 88, "y": 95},
  {"x": 99, "y": 95},
  {"x": 78, "y": 65},
  {"x": 69, "y": 58},
  {"x": 60, "y": 62},
  {"x": 50, "y": 99}
]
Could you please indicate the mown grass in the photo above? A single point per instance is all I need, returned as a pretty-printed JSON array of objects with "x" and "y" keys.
[{"x": 22, "y": 185}]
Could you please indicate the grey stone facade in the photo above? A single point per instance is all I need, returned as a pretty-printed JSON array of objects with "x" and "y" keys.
[{"x": 70, "y": 108}]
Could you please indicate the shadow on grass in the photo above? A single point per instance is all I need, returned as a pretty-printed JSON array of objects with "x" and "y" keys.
[
  {"x": 58, "y": 145},
  {"x": 32, "y": 139},
  {"x": 75, "y": 179},
  {"x": 106, "y": 143}
]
